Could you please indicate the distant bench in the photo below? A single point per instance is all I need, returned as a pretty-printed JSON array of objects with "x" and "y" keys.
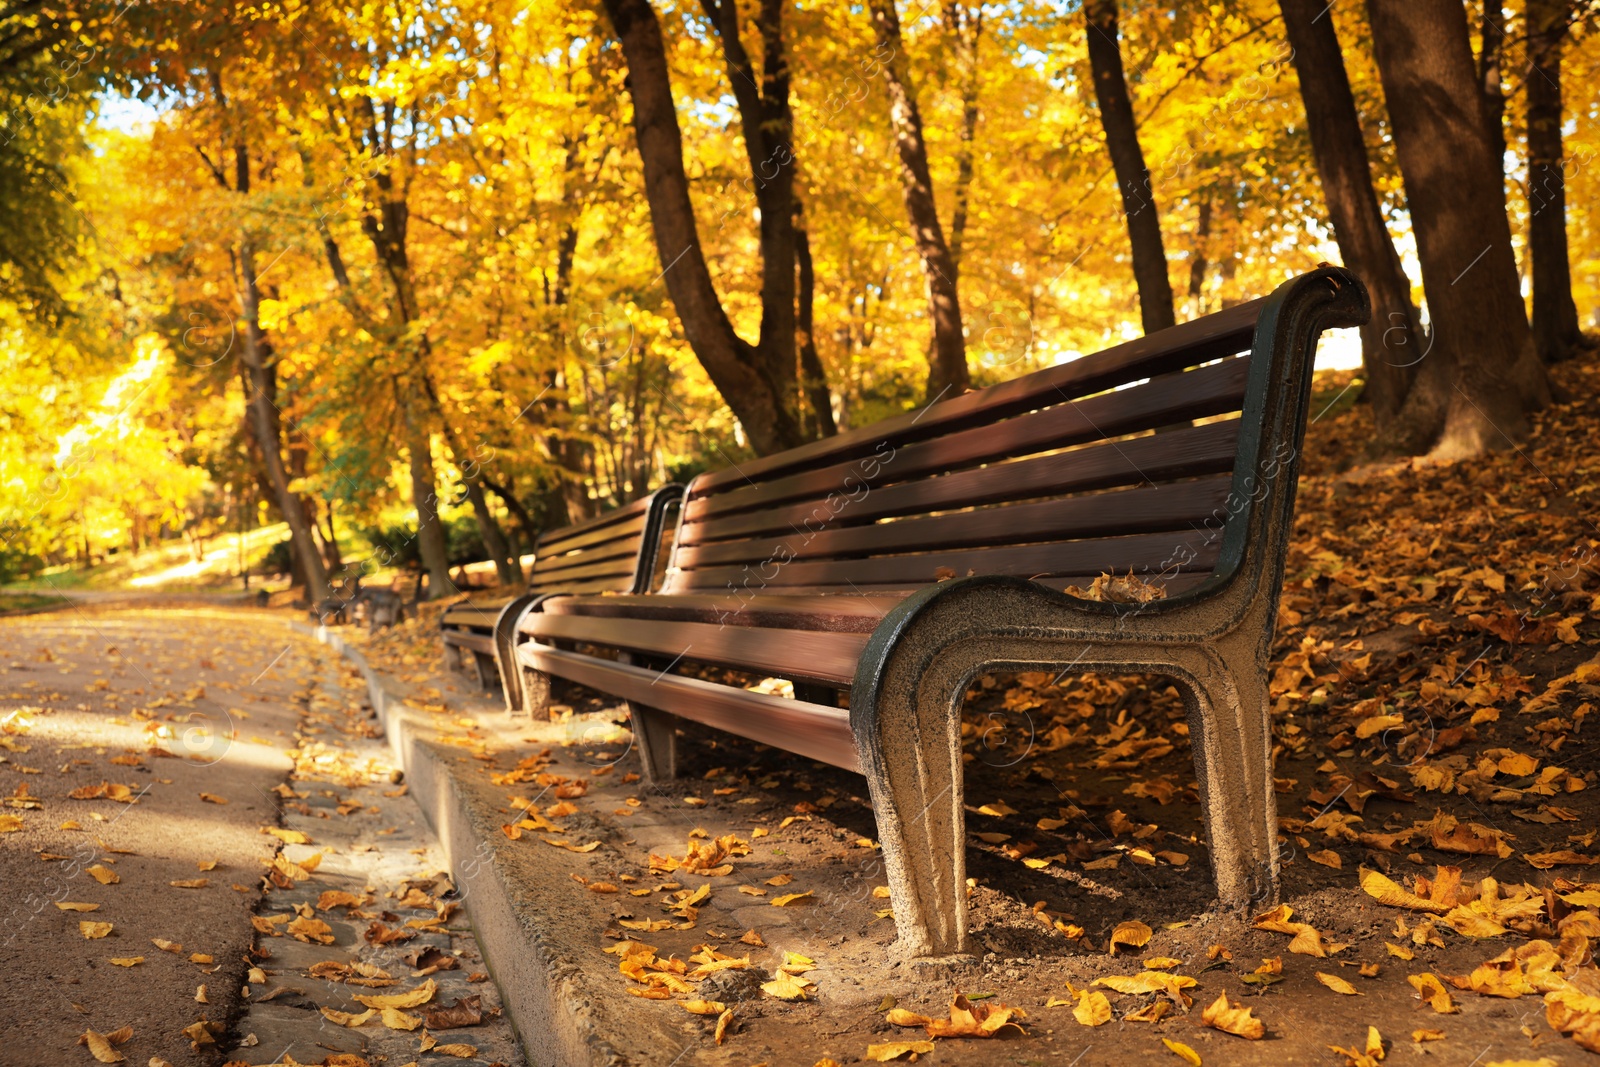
[
  {"x": 896, "y": 563},
  {"x": 613, "y": 553}
]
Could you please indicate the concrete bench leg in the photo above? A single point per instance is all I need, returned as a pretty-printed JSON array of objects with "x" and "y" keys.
[
  {"x": 905, "y": 714},
  {"x": 654, "y": 731},
  {"x": 1230, "y": 731},
  {"x": 488, "y": 673}
]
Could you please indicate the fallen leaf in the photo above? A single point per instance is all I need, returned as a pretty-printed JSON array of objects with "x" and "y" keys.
[
  {"x": 1093, "y": 1008},
  {"x": 893, "y": 1050},
  {"x": 788, "y": 987},
  {"x": 1232, "y": 1019},
  {"x": 410, "y": 999},
  {"x": 1132, "y": 933},
  {"x": 1182, "y": 1051},
  {"x": 126, "y": 961},
  {"x": 395, "y": 1019},
  {"x": 66, "y": 905},
  {"x": 191, "y": 883},
  {"x": 790, "y": 898},
  {"x": 10, "y": 824},
  {"x": 723, "y": 1022},
  {"x": 212, "y": 798},
  {"x": 100, "y": 1046},
  {"x": 345, "y": 1018},
  {"x": 985, "y": 1020},
  {"x": 1327, "y": 857},
  {"x": 466, "y": 1011},
  {"x": 465, "y": 1052},
  {"x": 1420, "y": 1036},
  {"x": 1430, "y": 989},
  {"x": 93, "y": 931},
  {"x": 705, "y": 1007},
  {"x": 1337, "y": 984},
  {"x": 104, "y": 875}
]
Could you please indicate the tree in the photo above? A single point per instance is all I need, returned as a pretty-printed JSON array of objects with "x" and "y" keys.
[
  {"x": 1127, "y": 160},
  {"x": 947, "y": 366},
  {"x": 1556, "y": 333},
  {"x": 1392, "y": 341},
  {"x": 757, "y": 380},
  {"x": 1481, "y": 378}
]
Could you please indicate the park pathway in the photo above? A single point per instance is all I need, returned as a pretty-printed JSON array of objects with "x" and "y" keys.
[{"x": 203, "y": 840}]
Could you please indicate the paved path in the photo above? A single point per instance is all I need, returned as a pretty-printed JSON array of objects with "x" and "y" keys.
[{"x": 146, "y": 755}]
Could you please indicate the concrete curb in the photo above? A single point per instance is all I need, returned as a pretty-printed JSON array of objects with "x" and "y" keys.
[{"x": 557, "y": 1022}]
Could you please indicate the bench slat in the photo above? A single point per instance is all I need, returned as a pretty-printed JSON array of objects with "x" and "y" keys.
[
  {"x": 810, "y": 654},
  {"x": 1174, "y": 506},
  {"x": 1214, "y": 390},
  {"x": 810, "y": 730},
  {"x": 848, "y": 613},
  {"x": 1147, "y": 554}
]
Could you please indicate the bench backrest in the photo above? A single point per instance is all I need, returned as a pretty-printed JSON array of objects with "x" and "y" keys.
[
  {"x": 612, "y": 553},
  {"x": 1124, "y": 458}
]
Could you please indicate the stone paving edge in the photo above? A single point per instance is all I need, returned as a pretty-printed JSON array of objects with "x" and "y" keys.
[{"x": 555, "y": 1021}]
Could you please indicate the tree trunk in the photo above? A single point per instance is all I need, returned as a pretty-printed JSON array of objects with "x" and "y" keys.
[
  {"x": 1127, "y": 160},
  {"x": 1200, "y": 263},
  {"x": 494, "y": 539},
  {"x": 967, "y": 27},
  {"x": 735, "y": 367},
  {"x": 813, "y": 376},
  {"x": 424, "y": 497},
  {"x": 1556, "y": 332},
  {"x": 947, "y": 369},
  {"x": 1492, "y": 31},
  {"x": 1487, "y": 377},
  {"x": 259, "y": 361},
  {"x": 1392, "y": 341},
  {"x": 525, "y": 521}
]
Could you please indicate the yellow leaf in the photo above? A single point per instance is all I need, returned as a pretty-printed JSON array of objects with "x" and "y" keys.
[
  {"x": 1161, "y": 963},
  {"x": 723, "y": 1022},
  {"x": 459, "y": 1050},
  {"x": 893, "y": 1050},
  {"x": 790, "y": 898},
  {"x": 1420, "y": 1036},
  {"x": 66, "y": 905},
  {"x": 345, "y": 1018},
  {"x": 93, "y": 931},
  {"x": 1400, "y": 951},
  {"x": 1232, "y": 1019},
  {"x": 1182, "y": 1051},
  {"x": 104, "y": 875},
  {"x": 788, "y": 987},
  {"x": 410, "y": 999},
  {"x": 1337, "y": 984},
  {"x": 100, "y": 1047},
  {"x": 395, "y": 1019},
  {"x": 10, "y": 824},
  {"x": 126, "y": 961},
  {"x": 1327, "y": 857},
  {"x": 1430, "y": 989},
  {"x": 1172, "y": 985},
  {"x": 705, "y": 1007},
  {"x": 1093, "y": 1008},
  {"x": 1386, "y": 890},
  {"x": 1132, "y": 933}
]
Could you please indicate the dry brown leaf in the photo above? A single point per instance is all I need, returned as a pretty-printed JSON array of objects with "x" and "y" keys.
[
  {"x": 466, "y": 1011},
  {"x": 460, "y": 1051},
  {"x": 985, "y": 1020},
  {"x": 724, "y": 1021},
  {"x": 101, "y": 1046}
]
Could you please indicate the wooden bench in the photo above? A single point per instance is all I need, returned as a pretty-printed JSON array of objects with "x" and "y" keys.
[
  {"x": 1175, "y": 455},
  {"x": 613, "y": 553}
]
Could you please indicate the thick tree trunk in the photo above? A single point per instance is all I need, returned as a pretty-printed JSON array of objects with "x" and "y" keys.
[
  {"x": 1392, "y": 341},
  {"x": 1492, "y": 32},
  {"x": 525, "y": 521},
  {"x": 947, "y": 370},
  {"x": 735, "y": 367},
  {"x": 1487, "y": 374},
  {"x": 1556, "y": 332},
  {"x": 424, "y": 497},
  {"x": 967, "y": 28},
  {"x": 1201, "y": 262},
  {"x": 494, "y": 538},
  {"x": 813, "y": 376},
  {"x": 264, "y": 421},
  {"x": 1127, "y": 160}
]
